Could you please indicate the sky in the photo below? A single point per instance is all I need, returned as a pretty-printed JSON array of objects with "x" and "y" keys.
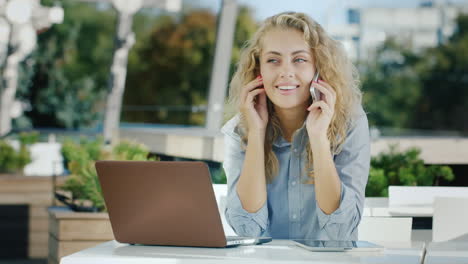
[{"x": 325, "y": 12}]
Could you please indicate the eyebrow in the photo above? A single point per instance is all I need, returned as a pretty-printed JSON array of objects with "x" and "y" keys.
[{"x": 292, "y": 53}]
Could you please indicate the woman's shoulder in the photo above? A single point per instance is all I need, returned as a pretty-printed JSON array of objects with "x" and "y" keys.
[
  {"x": 231, "y": 127},
  {"x": 358, "y": 117}
]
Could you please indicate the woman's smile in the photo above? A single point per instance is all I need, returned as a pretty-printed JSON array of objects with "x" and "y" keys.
[{"x": 286, "y": 90}]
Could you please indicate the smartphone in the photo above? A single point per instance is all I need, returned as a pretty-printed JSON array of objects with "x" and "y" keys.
[{"x": 314, "y": 92}]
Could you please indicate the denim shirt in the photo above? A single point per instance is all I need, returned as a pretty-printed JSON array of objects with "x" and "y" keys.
[{"x": 291, "y": 210}]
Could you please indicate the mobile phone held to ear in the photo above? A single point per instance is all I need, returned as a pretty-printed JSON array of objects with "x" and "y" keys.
[{"x": 314, "y": 92}]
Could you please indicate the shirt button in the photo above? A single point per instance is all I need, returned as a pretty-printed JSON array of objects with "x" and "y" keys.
[
  {"x": 293, "y": 183},
  {"x": 295, "y": 150},
  {"x": 294, "y": 216}
]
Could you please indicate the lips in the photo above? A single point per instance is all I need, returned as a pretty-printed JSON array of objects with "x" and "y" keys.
[
  {"x": 286, "y": 90},
  {"x": 287, "y": 87}
]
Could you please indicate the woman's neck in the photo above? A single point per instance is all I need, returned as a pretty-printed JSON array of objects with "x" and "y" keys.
[{"x": 291, "y": 119}]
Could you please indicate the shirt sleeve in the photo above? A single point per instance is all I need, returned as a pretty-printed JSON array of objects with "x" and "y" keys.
[
  {"x": 352, "y": 165},
  {"x": 241, "y": 221}
]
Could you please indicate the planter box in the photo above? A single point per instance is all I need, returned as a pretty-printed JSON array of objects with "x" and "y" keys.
[
  {"x": 35, "y": 193},
  {"x": 70, "y": 232}
]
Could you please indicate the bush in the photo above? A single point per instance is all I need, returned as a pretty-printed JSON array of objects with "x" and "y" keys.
[
  {"x": 13, "y": 161},
  {"x": 403, "y": 168},
  {"x": 84, "y": 190},
  {"x": 218, "y": 176}
]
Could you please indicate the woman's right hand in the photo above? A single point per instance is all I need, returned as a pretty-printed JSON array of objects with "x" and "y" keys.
[{"x": 254, "y": 105}]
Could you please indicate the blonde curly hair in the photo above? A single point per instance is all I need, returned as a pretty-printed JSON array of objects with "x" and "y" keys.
[{"x": 334, "y": 66}]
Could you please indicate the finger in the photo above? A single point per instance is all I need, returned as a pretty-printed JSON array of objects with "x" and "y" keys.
[
  {"x": 254, "y": 84},
  {"x": 251, "y": 95},
  {"x": 329, "y": 97},
  {"x": 251, "y": 86},
  {"x": 329, "y": 87},
  {"x": 316, "y": 105},
  {"x": 262, "y": 98},
  {"x": 324, "y": 83},
  {"x": 322, "y": 106}
]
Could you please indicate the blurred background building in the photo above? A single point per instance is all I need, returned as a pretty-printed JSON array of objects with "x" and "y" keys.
[{"x": 427, "y": 25}]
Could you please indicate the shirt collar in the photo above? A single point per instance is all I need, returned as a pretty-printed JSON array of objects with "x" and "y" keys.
[{"x": 298, "y": 138}]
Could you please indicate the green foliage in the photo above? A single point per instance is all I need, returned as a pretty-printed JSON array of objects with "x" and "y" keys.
[
  {"x": 8, "y": 157},
  {"x": 245, "y": 28},
  {"x": 377, "y": 184},
  {"x": 12, "y": 160},
  {"x": 84, "y": 150},
  {"x": 83, "y": 182},
  {"x": 219, "y": 176},
  {"x": 69, "y": 76},
  {"x": 391, "y": 86},
  {"x": 65, "y": 80},
  {"x": 28, "y": 138},
  {"x": 419, "y": 90},
  {"x": 126, "y": 150},
  {"x": 403, "y": 168},
  {"x": 172, "y": 68},
  {"x": 171, "y": 63},
  {"x": 443, "y": 76}
]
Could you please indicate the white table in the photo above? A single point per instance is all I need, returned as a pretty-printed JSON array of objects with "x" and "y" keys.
[
  {"x": 277, "y": 251},
  {"x": 379, "y": 207},
  {"x": 454, "y": 252}
]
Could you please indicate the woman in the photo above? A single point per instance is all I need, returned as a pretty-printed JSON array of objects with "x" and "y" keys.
[{"x": 295, "y": 168}]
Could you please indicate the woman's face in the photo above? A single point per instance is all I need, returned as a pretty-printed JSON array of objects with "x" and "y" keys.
[{"x": 287, "y": 68}]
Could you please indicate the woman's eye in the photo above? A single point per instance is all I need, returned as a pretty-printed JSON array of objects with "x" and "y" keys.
[
  {"x": 272, "y": 60},
  {"x": 300, "y": 60}
]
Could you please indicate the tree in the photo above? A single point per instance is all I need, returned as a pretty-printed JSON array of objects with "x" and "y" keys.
[
  {"x": 245, "y": 28},
  {"x": 169, "y": 71},
  {"x": 426, "y": 90},
  {"x": 443, "y": 73},
  {"x": 71, "y": 68},
  {"x": 65, "y": 80},
  {"x": 391, "y": 86}
]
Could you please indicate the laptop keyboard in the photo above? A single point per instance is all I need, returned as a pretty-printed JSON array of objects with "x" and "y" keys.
[{"x": 234, "y": 238}]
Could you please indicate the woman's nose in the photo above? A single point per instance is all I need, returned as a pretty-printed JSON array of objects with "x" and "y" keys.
[{"x": 287, "y": 73}]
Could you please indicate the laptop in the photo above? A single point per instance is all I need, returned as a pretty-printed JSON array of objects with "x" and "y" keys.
[{"x": 169, "y": 203}]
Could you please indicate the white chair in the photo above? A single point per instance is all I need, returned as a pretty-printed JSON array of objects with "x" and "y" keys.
[
  {"x": 419, "y": 200},
  {"x": 450, "y": 218},
  {"x": 421, "y": 195},
  {"x": 374, "y": 206},
  {"x": 220, "y": 191},
  {"x": 395, "y": 229}
]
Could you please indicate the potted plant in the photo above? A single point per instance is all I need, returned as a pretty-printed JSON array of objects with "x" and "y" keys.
[
  {"x": 25, "y": 199},
  {"x": 403, "y": 168},
  {"x": 13, "y": 160},
  {"x": 85, "y": 223}
]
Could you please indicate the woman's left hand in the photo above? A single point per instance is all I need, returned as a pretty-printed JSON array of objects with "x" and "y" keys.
[{"x": 321, "y": 112}]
